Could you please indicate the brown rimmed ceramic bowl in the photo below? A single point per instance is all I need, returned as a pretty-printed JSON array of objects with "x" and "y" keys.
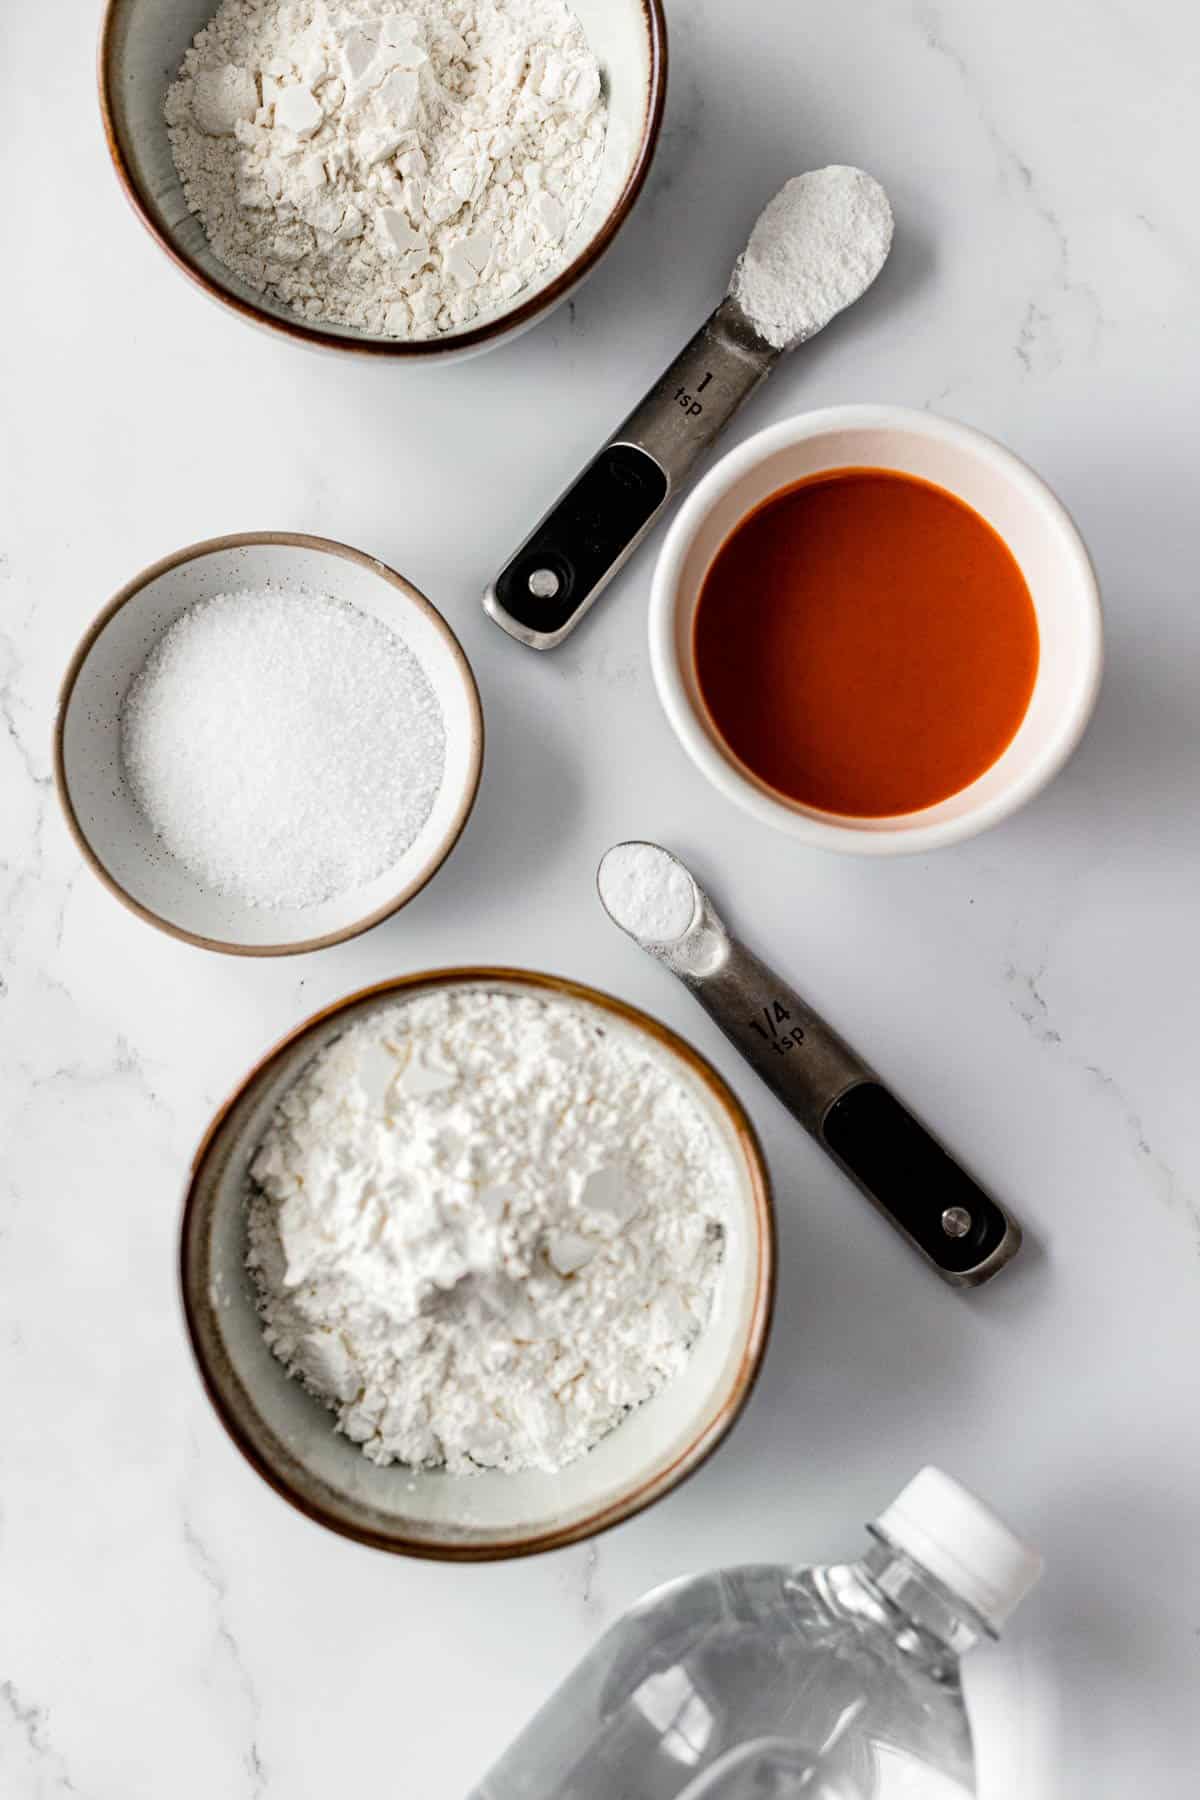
[
  {"x": 289, "y": 1437},
  {"x": 142, "y": 43},
  {"x": 112, "y": 833}
]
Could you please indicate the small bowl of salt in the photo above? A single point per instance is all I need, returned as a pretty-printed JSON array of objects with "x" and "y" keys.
[{"x": 266, "y": 744}]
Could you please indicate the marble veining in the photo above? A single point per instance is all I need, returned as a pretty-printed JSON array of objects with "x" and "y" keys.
[
  {"x": 25, "y": 1727},
  {"x": 1039, "y": 347},
  {"x": 1031, "y": 1006},
  {"x": 228, "y": 1652},
  {"x": 166, "y": 1624}
]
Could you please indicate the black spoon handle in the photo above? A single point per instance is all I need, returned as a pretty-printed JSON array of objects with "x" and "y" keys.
[
  {"x": 887, "y": 1152},
  {"x": 593, "y": 529}
]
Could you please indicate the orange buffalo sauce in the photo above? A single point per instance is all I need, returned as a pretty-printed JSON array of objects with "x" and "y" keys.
[{"x": 865, "y": 643}]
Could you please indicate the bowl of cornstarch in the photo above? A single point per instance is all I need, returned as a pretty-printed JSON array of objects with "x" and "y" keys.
[
  {"x": 478, "y": 1263},
  {"x": 414, "y": 181},
  {"x": 267, "y": 744}
]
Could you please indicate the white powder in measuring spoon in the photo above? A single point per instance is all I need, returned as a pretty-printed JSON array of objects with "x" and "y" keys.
[
  {"x": 647, "y": 893},
  {"x": 283, "y": 745},
  {"x": 485, "y": 1226},
  {"x": 817, "y": 247}
]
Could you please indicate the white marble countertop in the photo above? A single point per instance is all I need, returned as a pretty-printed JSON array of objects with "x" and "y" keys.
[{"x": 166, "y": 1624}]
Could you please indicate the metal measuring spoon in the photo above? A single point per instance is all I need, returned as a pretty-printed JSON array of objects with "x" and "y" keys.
[
  {"x": 837, "y": 1097},
  {"x": 593, "y": 529}
]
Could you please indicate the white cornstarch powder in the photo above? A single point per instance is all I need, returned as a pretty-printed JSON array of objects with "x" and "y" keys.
[
  {"x": 398, "y": 168},
  {"x": 817, "y": 247},
  {"x": 283, "y": 745},
  {"x": 648, "y": 893},
  {"x": 484, "y": 1226}
]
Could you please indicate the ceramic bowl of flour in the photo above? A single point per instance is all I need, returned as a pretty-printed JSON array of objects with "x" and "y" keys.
[
  {"x": 113, "y": 831},
  {"x": 142, "y": 46},
  {"x": 289, "y": 1436}
]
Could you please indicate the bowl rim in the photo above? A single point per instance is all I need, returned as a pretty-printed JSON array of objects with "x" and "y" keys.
[
  {"x": 640, "y": 1494},
  {"x": 452, "y": 343},
  {"x": 739, "y": 784},
  {"x": 295, "y": 540}
]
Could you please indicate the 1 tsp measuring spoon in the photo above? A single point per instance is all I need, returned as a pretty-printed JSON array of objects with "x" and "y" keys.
[
  {"x": 837, "y": 1097},
  {"x": 816, "y": 249}
]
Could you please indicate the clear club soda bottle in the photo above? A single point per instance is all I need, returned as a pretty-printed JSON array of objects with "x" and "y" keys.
[{"x": 764, "y": 1682}]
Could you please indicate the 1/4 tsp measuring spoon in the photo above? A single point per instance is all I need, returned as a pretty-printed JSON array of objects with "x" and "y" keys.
[
  {"x": 816, "y": 249},
  {"x": 837, "y": 1097}
]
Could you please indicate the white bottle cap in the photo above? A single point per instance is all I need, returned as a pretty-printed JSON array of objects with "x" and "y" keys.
[{"x": 961, "y": 1542}]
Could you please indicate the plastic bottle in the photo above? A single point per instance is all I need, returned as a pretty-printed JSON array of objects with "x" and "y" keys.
[{"x": 764, "y": 1682}]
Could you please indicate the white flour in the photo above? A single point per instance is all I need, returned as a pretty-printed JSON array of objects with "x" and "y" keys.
[
  {"x": 648, "y": 893},
  {"x": 817, "y": 247},
  {"x": 400, "y": 166},
  {"x": 283, "y": 745},
  {"x": 485, "y": 1226}
]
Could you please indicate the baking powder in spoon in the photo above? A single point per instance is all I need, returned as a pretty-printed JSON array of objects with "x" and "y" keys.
[
  {"x": 817, "y": 247},
  {"x": 647, "y": 892}
]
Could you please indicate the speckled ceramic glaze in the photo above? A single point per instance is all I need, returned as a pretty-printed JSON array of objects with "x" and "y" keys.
[
  {"x": 142, "y": 43},
  {"x": 289, "y": 1437},
  {"x": 112, "y": 832}
]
